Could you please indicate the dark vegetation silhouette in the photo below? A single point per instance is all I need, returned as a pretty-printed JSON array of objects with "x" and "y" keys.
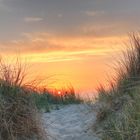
[{"x": 47, "y": 100}]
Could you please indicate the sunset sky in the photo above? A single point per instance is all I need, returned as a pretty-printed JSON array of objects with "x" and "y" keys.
[{"x": 73, "y": 40}]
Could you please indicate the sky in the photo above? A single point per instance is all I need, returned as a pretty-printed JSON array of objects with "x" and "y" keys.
[{"x": 73, "y": 41}]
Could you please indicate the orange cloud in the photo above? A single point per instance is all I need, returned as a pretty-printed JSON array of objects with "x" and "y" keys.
[
  {"x": 45, "y": 47},
  {"x": 82, "y": 59}
]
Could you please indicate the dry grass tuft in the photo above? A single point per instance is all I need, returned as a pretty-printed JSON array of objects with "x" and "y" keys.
[
  {"x": 119, "y": 116},
  {"x": 18, "y": 115}
]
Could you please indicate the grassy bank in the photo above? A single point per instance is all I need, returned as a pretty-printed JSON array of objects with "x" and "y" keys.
[
  {"x": 119, "y": 112},
  {"x": 19, "y": 118}
]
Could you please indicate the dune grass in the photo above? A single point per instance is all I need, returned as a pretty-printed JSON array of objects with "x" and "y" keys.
[
  {"x": 45, "y": 99},
  {"x": 119, "y": 113},
  {"x": 19, "y": 118}
]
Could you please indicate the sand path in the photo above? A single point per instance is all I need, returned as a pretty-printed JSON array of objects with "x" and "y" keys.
[{"x": 72, "y": 122}]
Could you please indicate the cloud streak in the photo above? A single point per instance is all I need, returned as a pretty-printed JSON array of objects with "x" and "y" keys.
[
  {"x": 45, "y": 47},
  {"x": 33, "y": 19},
  {"x": 94, "y": 13}
]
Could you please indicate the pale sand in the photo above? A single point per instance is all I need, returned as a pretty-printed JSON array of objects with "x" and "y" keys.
[{"x": 72, "y": 122}]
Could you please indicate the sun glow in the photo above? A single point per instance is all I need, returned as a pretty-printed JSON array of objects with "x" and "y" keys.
[
  {"x": 59, "y": 92},
  {"x": 80, "y": 60}
]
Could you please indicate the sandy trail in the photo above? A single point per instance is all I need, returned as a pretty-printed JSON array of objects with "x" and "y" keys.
[{"x": 73, "y": 122}]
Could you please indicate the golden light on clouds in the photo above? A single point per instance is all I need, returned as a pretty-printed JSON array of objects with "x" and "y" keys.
[
  {"x": 75, "y": 38},
  {"x": 81, "y": 61}
]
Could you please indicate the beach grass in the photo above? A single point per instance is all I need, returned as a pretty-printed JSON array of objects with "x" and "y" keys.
[{"x": 119, "y": 113}]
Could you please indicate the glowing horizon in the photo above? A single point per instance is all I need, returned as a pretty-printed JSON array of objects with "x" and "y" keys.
[{"x": 74, "y": 40}]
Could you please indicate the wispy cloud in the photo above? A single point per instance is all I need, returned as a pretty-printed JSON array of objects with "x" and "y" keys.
[
  {"x": 33, "y": 19},
  {"x": 94, "y": 13},
  {"x": 48, "y": 43}
]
